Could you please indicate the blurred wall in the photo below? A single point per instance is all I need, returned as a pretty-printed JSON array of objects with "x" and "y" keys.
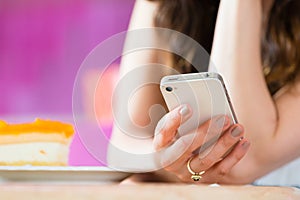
[{"x": 42, "y": 44}]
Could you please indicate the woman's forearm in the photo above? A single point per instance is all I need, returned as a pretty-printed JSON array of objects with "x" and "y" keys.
[{"x": 236, "y": 55}]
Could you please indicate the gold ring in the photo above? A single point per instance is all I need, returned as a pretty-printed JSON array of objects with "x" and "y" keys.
[{"x": 195, "y": 176}]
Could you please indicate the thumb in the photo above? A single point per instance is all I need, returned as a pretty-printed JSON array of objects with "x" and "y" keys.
[{"x": 166, "y": 128}]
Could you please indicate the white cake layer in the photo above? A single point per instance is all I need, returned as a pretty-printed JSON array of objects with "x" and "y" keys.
[
  {"x": 33, "y": 137},
  {"x": 44, "y": 152}
]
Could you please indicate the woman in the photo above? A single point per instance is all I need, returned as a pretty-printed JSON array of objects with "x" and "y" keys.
[{"x": 255, "y": 42}]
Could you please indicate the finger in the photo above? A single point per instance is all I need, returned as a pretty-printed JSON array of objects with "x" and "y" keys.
[
  {"x": 208, "y": 133},
  {"x": 224, "y": 166},
  {"x": 182, "y": 149},
  {"x": 166, "y": 128},
  {"x": 174, "y": 156},
  {"x": 217, "y": 151},
  {"x": 233, "y": 157},
  {"x": 231, "y": 138}
]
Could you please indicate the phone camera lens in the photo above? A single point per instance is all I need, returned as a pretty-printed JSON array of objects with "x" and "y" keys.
[{"x": 169, "y": 89}]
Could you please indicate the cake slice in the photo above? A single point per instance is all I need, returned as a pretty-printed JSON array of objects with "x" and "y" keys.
[{"x": 40, "y": 143}]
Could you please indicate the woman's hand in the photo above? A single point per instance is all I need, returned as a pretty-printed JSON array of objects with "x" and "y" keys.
[{"x": 214, "y": 161}]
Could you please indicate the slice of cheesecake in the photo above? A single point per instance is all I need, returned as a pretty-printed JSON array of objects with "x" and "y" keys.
[{"x": 41, "y": 143}]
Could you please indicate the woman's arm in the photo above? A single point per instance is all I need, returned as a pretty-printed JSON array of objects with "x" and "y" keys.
[
  {"x": 141, "y": 101},
  {"x": 270, "y": 124}
]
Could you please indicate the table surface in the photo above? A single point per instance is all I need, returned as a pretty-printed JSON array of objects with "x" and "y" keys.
[{"x": 19, "y": 190}]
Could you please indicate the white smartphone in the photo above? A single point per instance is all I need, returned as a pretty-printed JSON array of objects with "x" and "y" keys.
[{"x": 204, "y": 92}]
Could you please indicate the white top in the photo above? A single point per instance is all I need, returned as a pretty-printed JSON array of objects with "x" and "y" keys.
[{"x": 288, "y": 175}]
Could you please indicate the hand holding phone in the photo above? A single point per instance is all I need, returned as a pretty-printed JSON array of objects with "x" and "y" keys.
[{"x": 199, "y": 127}]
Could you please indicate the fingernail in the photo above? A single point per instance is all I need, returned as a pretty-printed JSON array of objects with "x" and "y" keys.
[
  {"x": 246, "y": 144},
  {"x": 184, "y": 111},
  {"x": 236, "y": 132},
  {"x": 222, "y": 121}
]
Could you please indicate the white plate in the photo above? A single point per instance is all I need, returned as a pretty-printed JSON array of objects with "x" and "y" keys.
[{"x": 60, "y": 174}]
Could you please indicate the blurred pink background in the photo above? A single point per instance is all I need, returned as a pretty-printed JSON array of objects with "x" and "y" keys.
[{"x": 42, "y": 44}]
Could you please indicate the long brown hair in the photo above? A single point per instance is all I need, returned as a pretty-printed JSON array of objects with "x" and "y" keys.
[
  {"x": 195, "y": 18},
  {"x": 280, "y": 41},
  {"x": 281, "y": 44}
]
